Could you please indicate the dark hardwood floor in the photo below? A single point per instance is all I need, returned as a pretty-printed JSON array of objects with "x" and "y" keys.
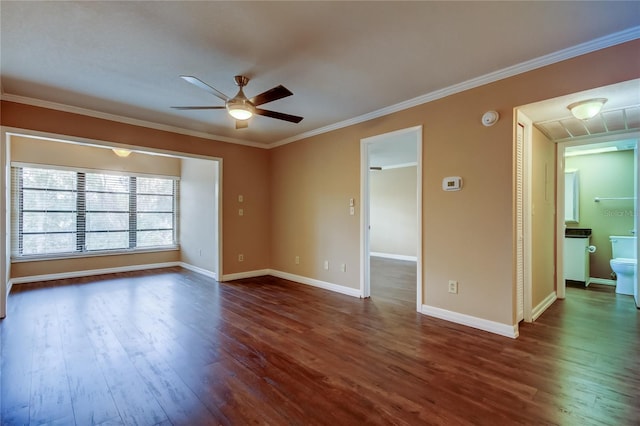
[{"x": 171, "y": 347}]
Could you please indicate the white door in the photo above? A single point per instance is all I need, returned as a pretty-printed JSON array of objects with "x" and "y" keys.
[{"x": 520, "y": 223}]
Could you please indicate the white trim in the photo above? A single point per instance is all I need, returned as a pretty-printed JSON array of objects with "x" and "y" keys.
[
  {"x": 602, "y": 281},
  {"x": 506, "y": 330},
  {"x": 122, "y": 119},
  {"x": 317, "y": 283},
  {"x": 91, "y": 272},
  {"x": 199, "y": 270},
  {"x": 542, "y": 306},
  {"x": 394, "y": 256},
  {"x": 552, "y": 58},
  {"x": 247, "y": 274}
]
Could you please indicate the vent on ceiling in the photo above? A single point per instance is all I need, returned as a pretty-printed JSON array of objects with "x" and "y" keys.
[{"x": 621, "y": 120}]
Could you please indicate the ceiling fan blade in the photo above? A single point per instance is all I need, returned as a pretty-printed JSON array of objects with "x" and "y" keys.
[
  {"x": 242, "y": 124},
  {"x": 204, "y": 86},
  {"x": 198, "y": 107},
  {"x": 271, "y": 95},
  {"x": 279, "y": 115}
]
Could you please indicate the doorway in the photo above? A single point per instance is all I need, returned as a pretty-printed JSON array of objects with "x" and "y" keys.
[
  {"x": 605, "y": 204},
  {"x": 391, "y": 217},
  {"x": 551, "y": 122}
]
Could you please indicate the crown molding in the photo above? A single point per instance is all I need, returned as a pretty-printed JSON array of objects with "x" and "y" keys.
[
  {"x": 552, "y": 58},
  {"x": 122, "y": 119},
  {"x": 571, "y": 52}
]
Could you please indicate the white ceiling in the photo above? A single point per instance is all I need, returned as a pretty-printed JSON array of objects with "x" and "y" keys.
[{"x": 342, "y": 60}]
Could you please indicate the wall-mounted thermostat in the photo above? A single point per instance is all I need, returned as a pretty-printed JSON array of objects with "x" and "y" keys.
[{"x": 452, "y": 183}]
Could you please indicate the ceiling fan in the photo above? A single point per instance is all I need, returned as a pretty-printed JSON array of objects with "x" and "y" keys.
[{"x": 240, "y": 107}]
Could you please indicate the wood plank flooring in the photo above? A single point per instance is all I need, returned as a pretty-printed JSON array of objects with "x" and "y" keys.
[{"x": 172, "y": 347}]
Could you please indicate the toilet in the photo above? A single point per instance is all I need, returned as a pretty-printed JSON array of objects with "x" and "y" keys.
[{"x": 624, "y": 263}]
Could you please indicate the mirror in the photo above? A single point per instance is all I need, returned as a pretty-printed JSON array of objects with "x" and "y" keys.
[{"x": 571, "y": 196}]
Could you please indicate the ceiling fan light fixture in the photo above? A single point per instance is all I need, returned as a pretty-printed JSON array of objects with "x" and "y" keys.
[
  {"x": 587, "y": 109},
  {"x": 240, "y": 109}
]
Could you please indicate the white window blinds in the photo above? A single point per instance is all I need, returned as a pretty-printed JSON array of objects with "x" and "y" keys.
[{"x": 74, "y": 212}]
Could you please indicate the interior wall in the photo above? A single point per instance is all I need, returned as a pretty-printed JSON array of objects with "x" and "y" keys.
[
  {"x": 607, "y": 174},
  {"x": 39, "y": 151},
  {"x": 298, "y": 194},
  {"x": 392, "y": 198},
  {"x": 543, "y": 209},
  {"x": 198, "y": 219},
  {"x": 311, "y": 183},
  {"x": 245, "y": 171},
  {"x": 468, "y": 234}
]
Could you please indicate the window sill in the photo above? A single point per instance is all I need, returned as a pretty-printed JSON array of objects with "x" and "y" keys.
[{"x": 65, "y": 256}]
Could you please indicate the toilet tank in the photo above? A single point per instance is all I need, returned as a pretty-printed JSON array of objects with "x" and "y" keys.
[{"x": 623, "y": 246}]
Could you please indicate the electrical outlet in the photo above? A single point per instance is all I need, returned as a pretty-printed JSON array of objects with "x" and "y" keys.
[
  {"x": 326, "y": 265},
  {"x": 297, "y": 260},
  {"x": 453, "y": 286},
  {"x": 343, "y": 267},
  {"x": 241, "y": 258}
]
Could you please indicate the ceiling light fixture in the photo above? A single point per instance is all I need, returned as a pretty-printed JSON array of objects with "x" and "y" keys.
[
  {"x": 585, "y": 110},
  {"x": 121, "y": 152},
  {"x": 239, "y": 108}
]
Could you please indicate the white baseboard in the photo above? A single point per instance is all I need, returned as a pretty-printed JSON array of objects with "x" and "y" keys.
[
  {"x": 90, "y": 272},
  {"x": 471, "y": 321},
  {"x": 602, "y": 281},
  {"x": 542, "y": 306},
  {"x": 394, "y": 256},
  {"x": 349, "y": 291},
  {"x": 247, "y": 274},
  {"x": 199, "y": 270}
]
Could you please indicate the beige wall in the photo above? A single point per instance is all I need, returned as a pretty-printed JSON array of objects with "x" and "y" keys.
[
  {"x": 543, "y": 210},
  {"x": 311, "y": 184},
  {"x": 38, "y": 151},
  {"x": 245, "y": 172},
  {"x": 393, "y": 211},
  {"x": 198, "y": 219},
  {"x": 297, "y": 194},
  {"x": 467, "y": 235},
  {"x": 41, "y": 151},
  {"x": 609, "y": 174}
]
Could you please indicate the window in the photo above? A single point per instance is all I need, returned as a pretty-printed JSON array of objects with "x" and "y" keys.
[{"x": 61, "y": 211}]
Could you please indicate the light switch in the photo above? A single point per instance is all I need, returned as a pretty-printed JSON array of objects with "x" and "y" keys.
[
  {"x": 240, "y": 198},
  {"x": 240, "y": 212},
  {"x": 352, "y": 211}
]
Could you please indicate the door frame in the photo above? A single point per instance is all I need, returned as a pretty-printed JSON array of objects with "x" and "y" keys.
[
  {"x": 560, "y": 195},
  {"x": 365, "y": 264}
]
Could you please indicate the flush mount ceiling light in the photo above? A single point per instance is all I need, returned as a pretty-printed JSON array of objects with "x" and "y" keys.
[
  {"x": 585, "y": 110},
  {"x": 121, "y": 152}
]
